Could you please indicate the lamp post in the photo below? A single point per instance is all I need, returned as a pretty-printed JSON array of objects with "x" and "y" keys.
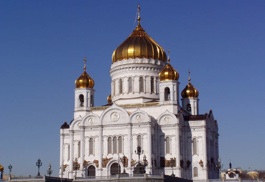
[
  {"x": 49, "y": 171},
  {"x": 38, "y": 164},
  {"x": 172, "y": 164},
  {"x": 140, "y": 168},
  {"x": 76, "y": 166},
  {"x": 10, "y": 169},
  {"x": 139, "y": 151}
]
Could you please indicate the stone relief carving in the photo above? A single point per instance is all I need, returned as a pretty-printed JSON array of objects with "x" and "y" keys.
[
  {"x": 114, "y": 117},
  {"x": 105, "y": 161},
  {"x": 91, "y": 121},
  {"x": 96, "y": 162},
  {"x": 133, "y": 162},
  {"x": 138, "y": 117},
  {"x": 167, "y": 119}
]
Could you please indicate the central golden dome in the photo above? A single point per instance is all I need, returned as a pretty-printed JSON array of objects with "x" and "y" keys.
[{"x": 139, "y": 45}]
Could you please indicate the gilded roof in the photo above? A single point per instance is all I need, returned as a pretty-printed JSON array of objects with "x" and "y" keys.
[
  {"x": 168, "y": 73},
  {"x": 84, "y": 81},
  {"x": 189, "y": 91},
  {"x": 139, "y": 45}
]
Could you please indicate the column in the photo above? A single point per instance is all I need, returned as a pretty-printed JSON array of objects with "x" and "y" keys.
[
  {"x": 82, "y": 148},
  {"x": 71, "y": 153},
  {"x": 130, "y": 148},
  {"x": 204, "y": 141},
  {"x": 149, "y": 146},
  {"x": 100, "y": 150},
  {"x": 62, "y": 151},
  {"x": 177, "y": 152}
]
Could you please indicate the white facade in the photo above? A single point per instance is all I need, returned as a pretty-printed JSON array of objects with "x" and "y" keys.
[{"x": 101, "y": 141}]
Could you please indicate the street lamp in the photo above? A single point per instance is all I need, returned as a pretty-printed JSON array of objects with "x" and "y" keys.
[
  {"x": 10, "y": 169},
  {"x": 76, "y": 166},
  {"x": 139, "y": 151},
  {"x": 49, "y": 171},
  {"x": 38, "y": 164},
  {"x": 172, "y": 164}
]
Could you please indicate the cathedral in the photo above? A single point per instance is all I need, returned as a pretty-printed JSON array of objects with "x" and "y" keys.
[{"x": 147, "y": 126}]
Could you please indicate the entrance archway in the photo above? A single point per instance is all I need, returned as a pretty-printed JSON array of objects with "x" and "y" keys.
[
  {"x": 91, "y": 171},
  {"x": 115, "y": 168}
]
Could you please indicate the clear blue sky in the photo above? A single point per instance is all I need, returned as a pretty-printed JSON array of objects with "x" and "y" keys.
[{"x": 42, "y": 45}]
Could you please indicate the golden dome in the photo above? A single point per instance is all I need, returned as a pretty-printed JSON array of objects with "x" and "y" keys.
[
  {"x": 1, "y": 168},
  {"x": 168, "y": 73},
  {"x": 139, "y": 45},
  {"x": 84, "y": 81},
  {"x": 189, "y": 91},
  {"x": 109, "y": 99}
]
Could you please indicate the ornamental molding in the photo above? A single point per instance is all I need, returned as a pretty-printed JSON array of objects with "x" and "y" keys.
[
  {"x": 137, "y": 61},
  {"x": 125, "y": 69}
]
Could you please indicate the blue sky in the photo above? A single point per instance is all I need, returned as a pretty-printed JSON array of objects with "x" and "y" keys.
[{"x": 42, "y": 45}]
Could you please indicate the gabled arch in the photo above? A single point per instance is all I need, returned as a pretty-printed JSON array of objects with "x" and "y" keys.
[
  {"x": 167, "y": 118},
  {"x": 75, "y": 124},
  {"x": 114, "y": 115},
  {"x": 90, "y": 119},
  {"x": 139, "y": 116}
]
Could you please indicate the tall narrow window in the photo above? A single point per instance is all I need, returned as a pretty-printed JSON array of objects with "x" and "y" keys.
[
  {"x": 91, "y": 146},
  {"x": 92, "y": 100},
  {"x": 167, "y": 145},
  {"x": 152, "y": 85},
  {"x": 79, "y": 149},
  {"x": 114, "y": 145},
  {"x": 195, "y": 172},
  {"x": 141, "y": 84},
  {"x": 109, "y": 146},
  {"x": 120, "y": 86},
  {"x": 129, "y": 84},
  {"x": 139, "y": 141},
  {"x": 120, "y": 144},
  {"x": 81, "y": 99},
  {"x": 194, "y": 146},
  {"x": 167, "y": 94}
]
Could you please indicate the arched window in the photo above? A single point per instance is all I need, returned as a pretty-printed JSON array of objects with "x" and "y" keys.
[
  {"x": 114, "y": 145},
  {"x": 81, "y": 99},
  {"x": 194, "y": 146},
  {"x": 120, "y": 86},
  {"x": 91, "y": 146},
  {"x": 188, "y": 107},
  {"x": 129, "y": 84},
  {"x": 92, "y": 100},
  {"x": 109, "y": 146},
  {"x": 141, "y": 84},
  {"x": 195, "y": 172},
  {"x": 167, "y": 94},
  {"x": 152, "y": 85},
  {"x": 139, "y": 141},
  {"x": 79, "y": 149},
  {"x": 120, "y": 144},
  {"x": 167, "y": 145}
]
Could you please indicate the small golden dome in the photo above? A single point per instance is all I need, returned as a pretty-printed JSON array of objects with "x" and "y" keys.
[
  {"x": 168, "y": 73},
  {"x": 84, "y": 81},
  {"x": 139, "y": 45},
  {"x": 1, "y": 168},
  {"x": 189, "y": 91},
  {"x": 109, "y": 99}
]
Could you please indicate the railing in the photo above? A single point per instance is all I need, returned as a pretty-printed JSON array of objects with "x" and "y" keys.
[{"x": 123, "y": 176}]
